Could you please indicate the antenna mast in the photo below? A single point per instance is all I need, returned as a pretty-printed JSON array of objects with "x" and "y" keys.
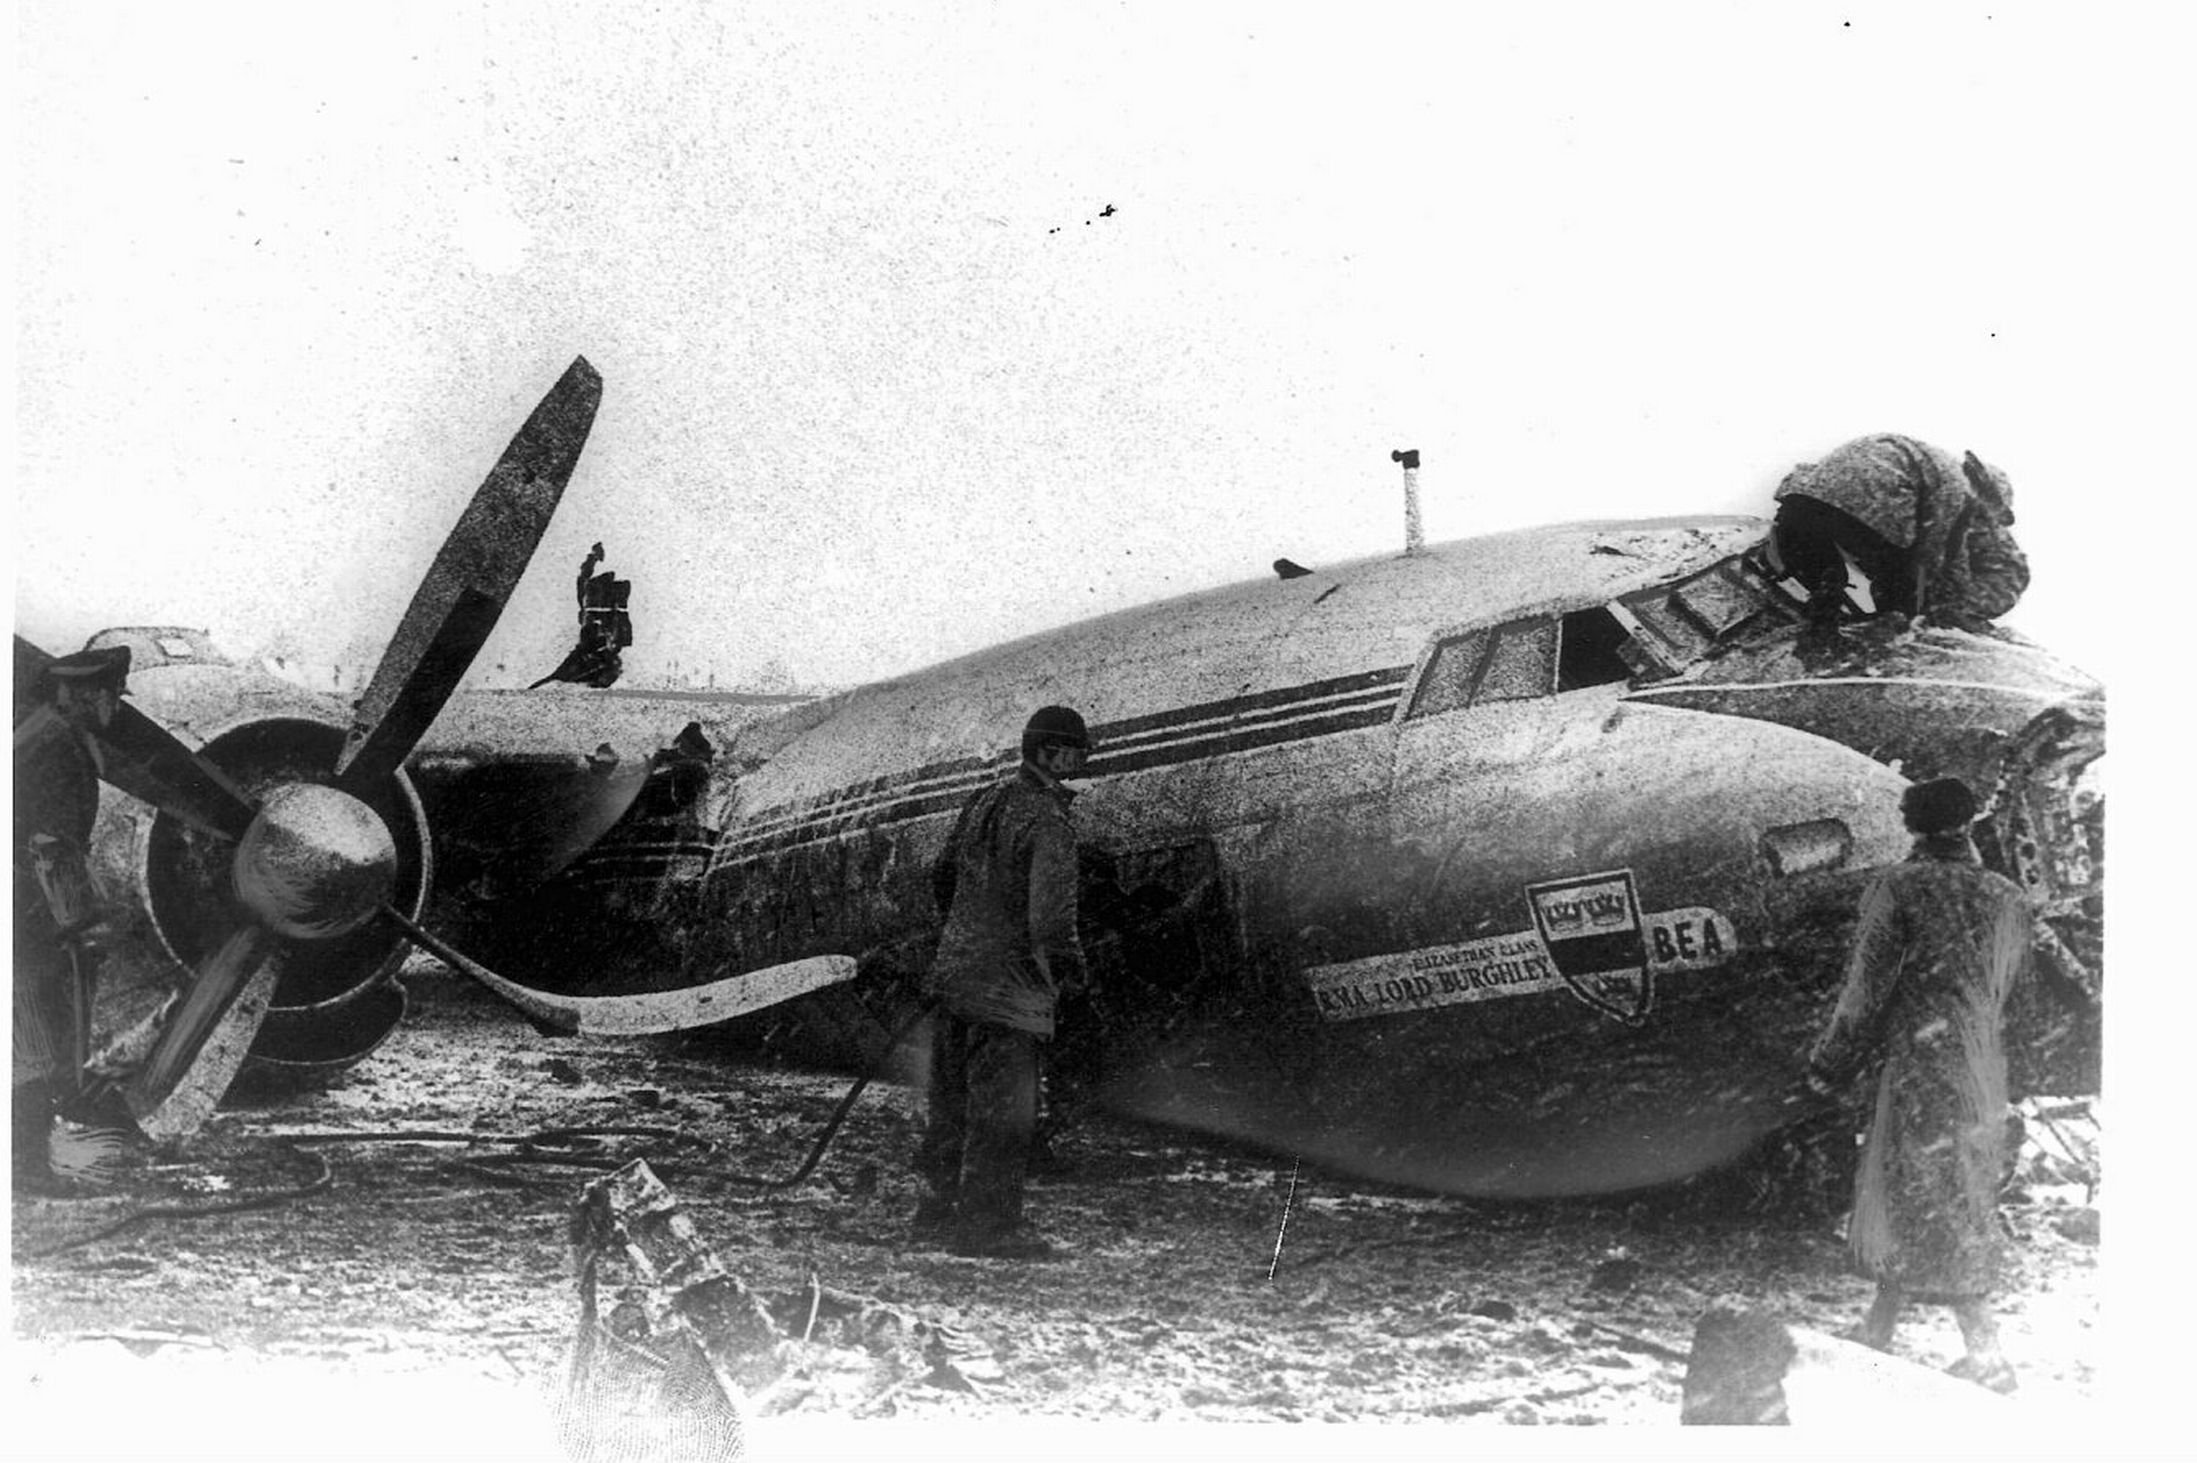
[{"x": 1414, "y": 540}]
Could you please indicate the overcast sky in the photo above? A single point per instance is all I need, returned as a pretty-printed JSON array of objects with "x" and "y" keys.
[{"x": 886, "y": 382}]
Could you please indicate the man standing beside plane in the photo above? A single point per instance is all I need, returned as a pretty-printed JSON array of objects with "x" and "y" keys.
[
  {"x": 57, "y": 911},
  {"x": 1940, "y": 943},
  {"x": 1007, "y": 881}
]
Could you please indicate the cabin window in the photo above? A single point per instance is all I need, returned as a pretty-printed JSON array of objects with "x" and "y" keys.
[
  {"x": 175, "y": 647},
  {"x": 1447, "y": 683}
]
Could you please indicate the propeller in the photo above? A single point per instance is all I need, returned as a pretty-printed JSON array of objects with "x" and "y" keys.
[
  {"x": 314, "y": 861},
  {"x": 647, "y": 1013},
  {"x": 456, "y": 605}
]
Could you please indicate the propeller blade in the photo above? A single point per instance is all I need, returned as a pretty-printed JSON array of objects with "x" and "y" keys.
[
  {"x": 204, "y": 1042},
  {"x": 434, "y": 672},
  {"x": 457, "y": 604},
  {"x": 146, "y": 761},
  {"x": 652, "y": 1012}
]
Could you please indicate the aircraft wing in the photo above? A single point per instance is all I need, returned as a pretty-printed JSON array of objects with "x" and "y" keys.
[{"x": 518, "y": 784}]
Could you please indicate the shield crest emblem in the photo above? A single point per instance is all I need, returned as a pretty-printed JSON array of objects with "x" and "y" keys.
[{"x": 1592, "y": 928}]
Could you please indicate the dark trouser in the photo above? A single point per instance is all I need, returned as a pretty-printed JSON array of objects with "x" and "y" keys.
[
  {"x": 52, "y": 1006},
  {"x": 983, "y": 1100},
  {"x": 30, "y": 1130}
]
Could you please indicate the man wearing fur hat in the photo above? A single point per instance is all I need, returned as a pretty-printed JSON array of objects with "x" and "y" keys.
[
  {"x": 57, "y": 912},
  {"x": 1939, "y": 945}
]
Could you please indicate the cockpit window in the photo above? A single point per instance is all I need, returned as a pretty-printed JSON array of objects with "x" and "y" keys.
[
  {"x": 1716, "y": 601},
  {"x": 175, "y": 647},
  {"x": 1511, "y": 662},
  {"x": 1693, "y": 614},
  {"x": 1645, "y": 636},
  {"x": 1447, "y": 683},
  {"x": 1593, "y": 651},
  {"x": 1522, "y": 664}
]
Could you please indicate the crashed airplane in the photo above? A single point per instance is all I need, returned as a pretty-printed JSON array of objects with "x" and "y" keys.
[
  {"x": 1519, "y": 865},
  {"x": 1515, "y": 866}
]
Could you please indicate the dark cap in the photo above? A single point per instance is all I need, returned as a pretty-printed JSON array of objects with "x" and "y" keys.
[
  {"x": 691, "y": 742},
  {"x": 1941, "y": 805},
  {"x": 91, "y": 668},
  {"x": 1054, "y": 726}
]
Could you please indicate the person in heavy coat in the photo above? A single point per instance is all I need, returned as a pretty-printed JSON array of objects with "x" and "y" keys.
[
  {"x": 57, "y": 916},
  {"x": 1007, "y": 881},
  {"x": 1940, "y": 943},
  {"x": 1985, "y": 570},
  {"x": 1929, "y": 530}
]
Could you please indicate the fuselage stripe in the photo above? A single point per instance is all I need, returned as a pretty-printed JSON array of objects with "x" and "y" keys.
[
  {"x": 1112, "y": 742},
  {"x": 1164, "y": 733},
  {"x": 1194, "y": 733}
]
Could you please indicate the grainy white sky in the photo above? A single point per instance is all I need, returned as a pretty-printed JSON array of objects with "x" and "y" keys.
[{"x": 883, "y": 383}]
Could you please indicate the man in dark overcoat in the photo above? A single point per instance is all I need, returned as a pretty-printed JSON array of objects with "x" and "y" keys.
[
  {"x": 57, "y": 912},
  {"x": 1007, "y": 881},
  {"x": 1940, "y": 943}
]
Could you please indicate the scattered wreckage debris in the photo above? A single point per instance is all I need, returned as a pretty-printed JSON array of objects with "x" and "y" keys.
[
  {"x": 319, "y": 1178},
  {"x": 688, "y": 1350},
  {"x": 1427, "y": 1309},
  {"x": 2059, "y": 1144}
]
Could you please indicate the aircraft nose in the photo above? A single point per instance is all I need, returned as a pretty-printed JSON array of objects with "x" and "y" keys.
[{"x": 315, "y": 862}]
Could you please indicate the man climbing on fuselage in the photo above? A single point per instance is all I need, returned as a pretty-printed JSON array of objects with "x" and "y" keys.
[{"x": 1929, "y": 532}]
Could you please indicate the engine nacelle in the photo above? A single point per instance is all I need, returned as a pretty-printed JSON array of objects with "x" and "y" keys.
[{"x": 335, "y": 999}]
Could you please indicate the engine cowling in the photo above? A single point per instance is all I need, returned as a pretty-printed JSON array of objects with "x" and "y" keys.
[{"x": 335, "y": 999}]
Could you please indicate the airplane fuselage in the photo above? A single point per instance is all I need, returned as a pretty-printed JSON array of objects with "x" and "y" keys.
[{"x": 1388, "y": 865}]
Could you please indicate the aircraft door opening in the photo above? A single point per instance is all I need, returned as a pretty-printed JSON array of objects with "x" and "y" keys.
[{"x": 1163, "y": 956}]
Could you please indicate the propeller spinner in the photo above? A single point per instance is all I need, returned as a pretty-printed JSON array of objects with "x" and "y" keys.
[{"x": 313, "y": 861}]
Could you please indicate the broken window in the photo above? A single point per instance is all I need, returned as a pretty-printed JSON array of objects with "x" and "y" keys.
[
  {"x": 1716, "y": 601},
  {"x": 1680, "y": 637},
  {"x": 1593, "y": 651},
  {"x": 1603, "y": 645},
  {"x": 1689, "y": 617}
]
